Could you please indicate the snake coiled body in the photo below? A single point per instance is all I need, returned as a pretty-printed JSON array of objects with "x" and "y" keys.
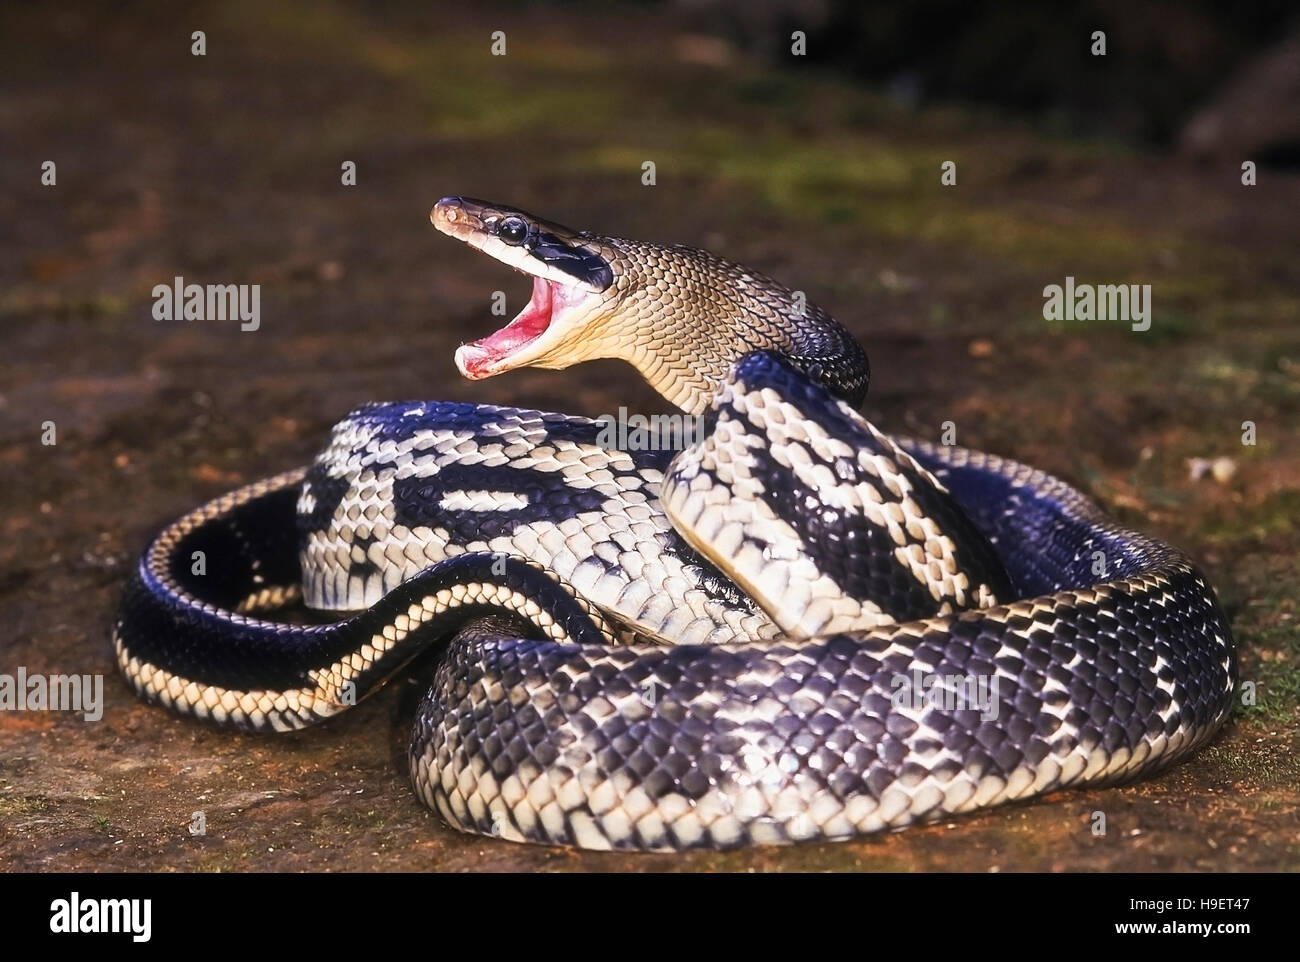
[{"x": 796, "y": 627}]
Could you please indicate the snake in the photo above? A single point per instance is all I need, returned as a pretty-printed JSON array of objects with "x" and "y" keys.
[{"x": 757, "y": 619}]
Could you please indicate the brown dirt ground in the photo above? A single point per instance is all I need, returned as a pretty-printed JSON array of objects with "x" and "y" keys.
[{"x": 225, "y": 169}]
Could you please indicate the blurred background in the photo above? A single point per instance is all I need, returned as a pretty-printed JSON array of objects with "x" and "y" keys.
[
  {"x": 820, "y": 169},
  {"x": 1208, "y": 78}
]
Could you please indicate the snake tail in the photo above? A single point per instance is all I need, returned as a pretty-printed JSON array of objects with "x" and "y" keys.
[{"x": 187, "y": 635}]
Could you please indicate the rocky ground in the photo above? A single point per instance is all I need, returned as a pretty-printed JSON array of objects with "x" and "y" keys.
[{"x": 225, "y": 168}]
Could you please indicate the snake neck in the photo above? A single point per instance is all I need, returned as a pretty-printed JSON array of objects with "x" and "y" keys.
[{"x": 683, "y": 317}]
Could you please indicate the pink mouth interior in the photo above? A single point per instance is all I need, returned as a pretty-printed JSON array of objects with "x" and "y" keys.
[{"x": 480, "y": 358}]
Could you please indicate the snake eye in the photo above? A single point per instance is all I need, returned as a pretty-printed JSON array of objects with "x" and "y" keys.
[{"x": 513, "y": 230}]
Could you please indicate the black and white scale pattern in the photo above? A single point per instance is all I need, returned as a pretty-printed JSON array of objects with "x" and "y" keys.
[
  {"x": 880, "y": 539},
  {"x": 402, "y": 486},
  {"x": 653, "y": 748},
  {"x": 550, "y": 733},
  {"x": 1088, "y": 680}
]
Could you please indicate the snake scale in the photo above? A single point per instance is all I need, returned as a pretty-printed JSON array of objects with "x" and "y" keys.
[{"x": 794, "y": 627}]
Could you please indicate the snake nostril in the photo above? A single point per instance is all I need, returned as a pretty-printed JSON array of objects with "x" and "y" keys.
[{"x": 448, "y": 208}]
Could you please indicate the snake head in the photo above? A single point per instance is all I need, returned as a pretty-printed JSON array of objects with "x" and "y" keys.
[{"x": 572, "y": 281}]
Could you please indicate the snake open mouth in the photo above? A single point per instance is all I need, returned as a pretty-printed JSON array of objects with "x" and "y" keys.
[
  {"x": 570, "y": 278},
  {"x": 486, "y": 356}
]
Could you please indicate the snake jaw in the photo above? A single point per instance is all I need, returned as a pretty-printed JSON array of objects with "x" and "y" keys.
[
  {"x": 571, "y": 280},
  {"x": 516, "y": 344}
]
